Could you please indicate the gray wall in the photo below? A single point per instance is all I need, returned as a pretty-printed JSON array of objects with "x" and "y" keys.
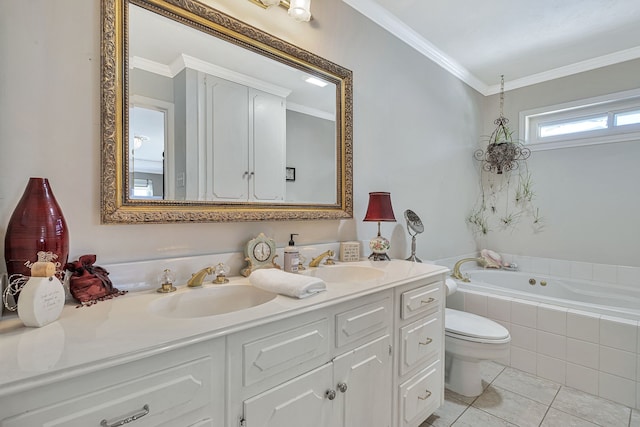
[
  {"x": 588, "y": 195},
  {"x": 311, "y": 150},
  {"x": 415, "y": 127}
]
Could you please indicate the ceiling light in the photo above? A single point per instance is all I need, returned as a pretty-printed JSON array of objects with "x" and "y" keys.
[{"x": 316, "y": 81}]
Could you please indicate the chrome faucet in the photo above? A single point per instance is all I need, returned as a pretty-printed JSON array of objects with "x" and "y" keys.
[
  {"x": 197, "y": 278},
  {"x": 316, "y": 261},
  {"x": 456, "y": 268}
]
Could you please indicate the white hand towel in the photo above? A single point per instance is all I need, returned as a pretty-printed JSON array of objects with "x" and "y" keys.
[{"x": 289, "y": 284}]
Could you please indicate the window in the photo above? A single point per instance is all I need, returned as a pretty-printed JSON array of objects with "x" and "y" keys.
[{"x": 611, "y": 118}]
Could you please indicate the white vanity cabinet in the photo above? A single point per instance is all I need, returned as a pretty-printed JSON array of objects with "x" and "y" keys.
[
  {"x": 371, "y": 359},
  {"x": 419, "y": 385},
  {"x": 331, "y": 368},
  {"x": 245, "y": 142},
  {"x": 177, "y": 388}
]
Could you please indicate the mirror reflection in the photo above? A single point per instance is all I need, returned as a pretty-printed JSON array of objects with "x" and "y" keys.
[{"x": 211, "y": 121}]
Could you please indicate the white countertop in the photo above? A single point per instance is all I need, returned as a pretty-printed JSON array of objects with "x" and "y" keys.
[{"x": 124, "y": 329}]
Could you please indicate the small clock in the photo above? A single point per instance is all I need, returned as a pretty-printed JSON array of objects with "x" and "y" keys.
[{"x": 259, "y": 252}]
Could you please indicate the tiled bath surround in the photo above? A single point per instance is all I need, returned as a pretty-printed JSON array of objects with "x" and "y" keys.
[{"x": 590, "y": 352}]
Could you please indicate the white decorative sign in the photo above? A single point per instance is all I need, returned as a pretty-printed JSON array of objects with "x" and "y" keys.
[{"x": 41, "y": 301}]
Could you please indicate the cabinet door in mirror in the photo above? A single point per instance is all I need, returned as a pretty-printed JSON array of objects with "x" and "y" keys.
[{"x": 217, "y": 111}]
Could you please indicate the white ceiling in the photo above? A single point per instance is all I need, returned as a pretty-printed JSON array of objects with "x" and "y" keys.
[{"x": 527, "y": 41}]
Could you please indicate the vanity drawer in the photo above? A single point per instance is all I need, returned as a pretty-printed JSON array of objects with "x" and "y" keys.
[
  {"x": 419, "y": 341},
  {"x": 156, "y": 399},
  {"x": 420, "y": 300},
  {"x": 280, "y": 352},
  {"x": 363, "y": 321},
  {"x": 421, "y": 395}
]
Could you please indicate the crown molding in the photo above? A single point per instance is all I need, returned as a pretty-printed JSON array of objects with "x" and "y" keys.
[
  {"x": 567, "y": 70},
  {"x": 396, "y": 27},
  {"x": 381, "y": 16}
]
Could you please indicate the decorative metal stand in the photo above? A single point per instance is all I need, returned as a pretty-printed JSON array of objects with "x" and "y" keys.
[{"x": 413, "y": 224}]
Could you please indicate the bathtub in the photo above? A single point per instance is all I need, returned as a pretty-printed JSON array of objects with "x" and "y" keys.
[
  {"x": 604, "y": 299},
  {"x": 583, "y": 334}
]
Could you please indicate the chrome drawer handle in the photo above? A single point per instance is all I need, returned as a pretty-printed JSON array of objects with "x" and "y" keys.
[
  {"x": 342, "y": 387},
  {"x": 428, "y": 341},
  {"x": 426, "y": 397},
  {"x": 330, "y": 394},
  {"x": 429, "y": 301},
  {"x": 127, "y": 419}
]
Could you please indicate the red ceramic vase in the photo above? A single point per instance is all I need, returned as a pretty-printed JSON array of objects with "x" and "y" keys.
[{"x": 37, "y": 224}]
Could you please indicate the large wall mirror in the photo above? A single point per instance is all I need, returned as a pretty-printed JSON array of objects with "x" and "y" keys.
[{"x": 205, "y": 118}]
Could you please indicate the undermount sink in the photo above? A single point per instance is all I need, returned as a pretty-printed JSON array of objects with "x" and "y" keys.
[
  {"x": 346, "y": 273},
  {"x": 210, "y": 301}
]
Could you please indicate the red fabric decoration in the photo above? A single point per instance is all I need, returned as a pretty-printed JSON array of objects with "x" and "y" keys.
[{"x": 90, "y": 283}]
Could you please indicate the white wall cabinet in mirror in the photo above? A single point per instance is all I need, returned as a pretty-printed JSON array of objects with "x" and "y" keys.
[
  {"x": 241, "y": 111},
  {"x": 245, "y": 136}
]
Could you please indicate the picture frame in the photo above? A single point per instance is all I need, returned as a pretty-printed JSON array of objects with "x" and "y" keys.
[{"x": 290, "y": 174}]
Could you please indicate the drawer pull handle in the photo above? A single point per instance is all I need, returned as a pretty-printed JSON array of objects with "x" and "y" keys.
[
  {"x": 429, "y": 301},
  {"x": 428, "y": 341},
  {"x": 428, "y": 395},
  {"x": 342, "y": 387},
  {"x": 127, "y": 419},
  {"x": 331, "y": 394}
]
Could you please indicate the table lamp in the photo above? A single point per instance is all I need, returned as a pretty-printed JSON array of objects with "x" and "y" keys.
[{"x": 379, "y": 209}]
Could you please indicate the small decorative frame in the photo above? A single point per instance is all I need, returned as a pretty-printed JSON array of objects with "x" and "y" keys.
[{"x": 291, "y": 174}]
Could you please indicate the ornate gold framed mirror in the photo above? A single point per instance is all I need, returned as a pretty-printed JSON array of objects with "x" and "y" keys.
[{"x": 202, "y": 116}]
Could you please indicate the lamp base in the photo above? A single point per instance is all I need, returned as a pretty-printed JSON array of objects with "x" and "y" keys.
[
  {"x": 414, "y": 258},
  {"x": 379, "y": 257}
]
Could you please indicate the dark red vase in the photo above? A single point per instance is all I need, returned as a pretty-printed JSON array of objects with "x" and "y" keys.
[{"x": 36, "y": 225}]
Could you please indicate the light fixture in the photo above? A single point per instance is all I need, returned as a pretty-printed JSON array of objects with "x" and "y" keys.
[
  {"x": 379, "y": 209},
  {"x": 138, "y": 140},
  {"x": 315, "y": 81},
  {"x": 300, "y": 10}
]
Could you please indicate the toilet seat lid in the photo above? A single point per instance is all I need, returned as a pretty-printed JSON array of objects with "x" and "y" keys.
[{"x": 472, "y": 326}]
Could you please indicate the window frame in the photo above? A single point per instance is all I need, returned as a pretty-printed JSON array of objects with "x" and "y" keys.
[{"x": 609, "y": 105}]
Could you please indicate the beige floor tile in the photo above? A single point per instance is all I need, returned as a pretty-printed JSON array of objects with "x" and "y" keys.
[
  {"x": 555, "y": 418},
  {"x": 447, "y": 414},
  {"x": 595, "y": 409},
  {"x": 525, "y": 384},
  {"x": 490, "y": 370},
  {"x": 511, "y": 407},
  {"x": 635, "y": 418},
  {"x": 473, "y": 417}
]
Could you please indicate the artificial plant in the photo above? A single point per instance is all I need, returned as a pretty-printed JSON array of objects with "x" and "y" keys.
[{"x": 506, "y": 187}]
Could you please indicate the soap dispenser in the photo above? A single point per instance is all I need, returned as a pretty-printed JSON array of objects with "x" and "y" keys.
[{"x": 291, "y": 256}]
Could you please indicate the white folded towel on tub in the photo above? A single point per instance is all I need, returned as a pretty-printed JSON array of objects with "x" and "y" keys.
[{"x": 289, "y": 284}]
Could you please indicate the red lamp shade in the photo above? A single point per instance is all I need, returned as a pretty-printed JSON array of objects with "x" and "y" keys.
[{"x": 379, "y": 207}]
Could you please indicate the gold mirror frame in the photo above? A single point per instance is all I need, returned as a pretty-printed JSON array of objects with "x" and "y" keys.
[{"x": 117, "y": 207}]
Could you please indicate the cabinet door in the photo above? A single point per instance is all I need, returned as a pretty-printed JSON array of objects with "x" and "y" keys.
[
  {"x": 301, "y": 402},
  {"x": 366, "y": 373},
  {"x": 227, "y": 139},
  {"x": 268, "y": 131}
]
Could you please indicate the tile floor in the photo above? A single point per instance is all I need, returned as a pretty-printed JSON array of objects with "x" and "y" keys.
[{"x": 517, "y": 399}]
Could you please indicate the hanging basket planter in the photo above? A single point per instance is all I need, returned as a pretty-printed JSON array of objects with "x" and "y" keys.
[{"x": 502, "y": 154}]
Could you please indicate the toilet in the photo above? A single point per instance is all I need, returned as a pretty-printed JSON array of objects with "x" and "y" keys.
[{"x": 468, "y": 340}]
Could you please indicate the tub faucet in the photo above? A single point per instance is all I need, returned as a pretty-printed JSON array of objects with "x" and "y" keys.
[
  {"x": 456, "y": 268},
  {"x": 197, "y": 278},
  {"x": 316, "y": 261}
]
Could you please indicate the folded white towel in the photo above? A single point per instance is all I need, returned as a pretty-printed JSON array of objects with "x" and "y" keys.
[{"x": 289, "y": 284}]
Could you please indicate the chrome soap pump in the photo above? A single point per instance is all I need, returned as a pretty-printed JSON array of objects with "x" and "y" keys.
[{"x": 291, "y": 256}]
